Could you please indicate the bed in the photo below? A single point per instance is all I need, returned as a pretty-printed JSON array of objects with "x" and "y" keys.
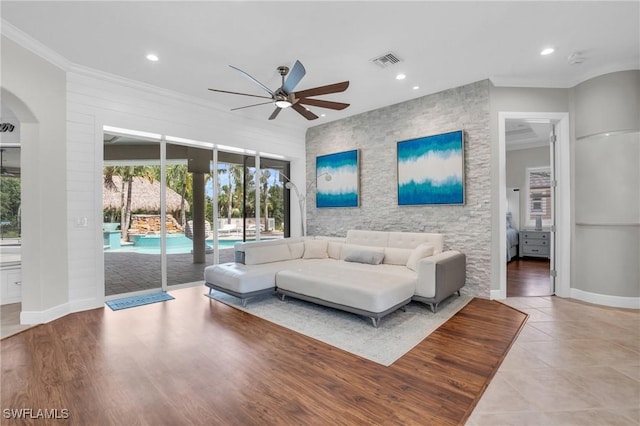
[{"x": 512, "y": 239}]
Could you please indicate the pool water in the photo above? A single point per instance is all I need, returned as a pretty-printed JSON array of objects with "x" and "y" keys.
[{"x": 176, "y": 244}]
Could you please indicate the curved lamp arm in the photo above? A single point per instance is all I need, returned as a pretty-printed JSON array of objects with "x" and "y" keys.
[{"x": 302, "y": 198}]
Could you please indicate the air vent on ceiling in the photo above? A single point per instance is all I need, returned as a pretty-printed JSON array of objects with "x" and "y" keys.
[{"x": 386, "y": 60}]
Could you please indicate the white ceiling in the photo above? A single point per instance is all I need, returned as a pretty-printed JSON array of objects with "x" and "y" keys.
[{"x": 441, "y": 44}]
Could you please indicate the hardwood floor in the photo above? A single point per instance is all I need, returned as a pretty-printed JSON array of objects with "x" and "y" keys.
[
  {"x": 528, "y": 277},
  {"x": 194, "y": 360}
]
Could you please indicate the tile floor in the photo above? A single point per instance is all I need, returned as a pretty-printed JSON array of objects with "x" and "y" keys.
[
  {"x": 573, "y": 364},
  {"x": 10, "y": 320}
]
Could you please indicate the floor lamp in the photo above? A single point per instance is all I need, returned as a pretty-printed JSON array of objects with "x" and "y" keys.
[{"x": 302, "y": 198}]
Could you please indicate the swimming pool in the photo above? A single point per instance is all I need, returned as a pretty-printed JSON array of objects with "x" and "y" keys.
[{"x": 176, "y": 244}]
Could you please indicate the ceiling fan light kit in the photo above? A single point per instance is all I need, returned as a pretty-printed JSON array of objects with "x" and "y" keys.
[{"x": 284, "y": 97}]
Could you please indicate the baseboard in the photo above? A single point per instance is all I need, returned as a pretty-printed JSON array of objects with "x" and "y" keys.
[
  {"x": 42, "y": 317},
  {"x": 51, "y": 314},
  {"x": 85, "y": 305},
  {"x": 497, "y": 295},
  {"x": 606, "y": 300}
]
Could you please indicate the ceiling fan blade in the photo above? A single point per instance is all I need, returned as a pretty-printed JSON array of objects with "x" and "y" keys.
[
  {"x": 322, "y": 90},
  {"x": 275, "y": 113},
  {"x": 253, "y": 79},
  {"x": 249, "y": 106},
  {"x": 323, "y": 104},
  {"x": 304, "y": 112},
  {"x": 295, "y": 75},
  {"x": 238, "y": 93}
]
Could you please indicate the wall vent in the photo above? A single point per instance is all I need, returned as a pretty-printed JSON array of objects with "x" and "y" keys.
[{"x": 386, "y": 60}]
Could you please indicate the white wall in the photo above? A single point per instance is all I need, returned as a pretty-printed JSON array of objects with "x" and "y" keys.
[{"x": 40, "y": 87}]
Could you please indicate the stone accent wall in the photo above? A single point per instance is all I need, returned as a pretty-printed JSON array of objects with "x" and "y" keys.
[{"x": 467, "y": 228}]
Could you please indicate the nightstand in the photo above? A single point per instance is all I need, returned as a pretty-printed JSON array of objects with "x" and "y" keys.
[{"x": 534, "y": 243}]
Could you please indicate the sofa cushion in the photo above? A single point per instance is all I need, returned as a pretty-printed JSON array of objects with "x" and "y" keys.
[
  {"x": 371, "y": 257},
  {"x": 420, "y": 252},
  {"x": 315, "y": 249},
  {"x": 334, "y": 249},
  {"x": 349, "y": 248},
  {"x": 259, "y": 254},
  {"x": 397, "y": 256},
  {"x": 296, "y": 249},
  {"x": 367, "y": 238}
]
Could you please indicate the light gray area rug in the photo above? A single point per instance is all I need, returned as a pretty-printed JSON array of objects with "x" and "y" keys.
[{"x": 396, "y": 334}]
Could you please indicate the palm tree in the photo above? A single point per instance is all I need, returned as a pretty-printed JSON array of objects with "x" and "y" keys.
[
  {"x": 264, "y": 195},
  {"x": 127, "y": 173},
  {"x": 235, "y": 182},
  {"x": 277, "y": 203},
  {"x": 180, "y": 180}
]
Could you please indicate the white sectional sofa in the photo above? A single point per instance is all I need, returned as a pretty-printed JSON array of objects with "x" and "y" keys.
[{"x": 370, "y": 273}]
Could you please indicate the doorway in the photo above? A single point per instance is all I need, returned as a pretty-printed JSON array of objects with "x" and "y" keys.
[
  {"x": 558, "y": 232},
  {"x": 529, "y": 206}
]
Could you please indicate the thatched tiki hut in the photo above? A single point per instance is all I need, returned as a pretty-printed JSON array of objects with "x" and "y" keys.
[{"x": 145, "y": 197}]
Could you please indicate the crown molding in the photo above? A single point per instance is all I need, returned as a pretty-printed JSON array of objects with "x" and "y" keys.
[
  {"x": 26, "y": 41},
  {"x": 502, "y": 81}
]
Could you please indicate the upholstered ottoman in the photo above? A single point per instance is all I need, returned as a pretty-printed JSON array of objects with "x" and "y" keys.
[{"x": 242, "y": 281}]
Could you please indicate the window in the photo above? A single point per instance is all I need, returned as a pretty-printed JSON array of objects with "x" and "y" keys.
[{"x": 539, "y": 195}]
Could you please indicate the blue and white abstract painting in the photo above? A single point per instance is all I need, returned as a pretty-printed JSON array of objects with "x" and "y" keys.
[
  {"x": 431, "y": 170},
  {"x": 337, "y": 180}
]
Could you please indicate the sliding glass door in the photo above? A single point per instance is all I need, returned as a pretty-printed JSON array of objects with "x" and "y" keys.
[
  {"x": 162, "y": 224},
  {"x": 131, "y": 215},
  {"x": 189, "y": 231}
]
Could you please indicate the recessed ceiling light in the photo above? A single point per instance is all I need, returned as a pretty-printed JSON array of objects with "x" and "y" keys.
[
  {"x": 152, "y": 57},
  {"x": 547, "y": 51},
  {"x": 323, "y": 115},
  {"x": 400, "y": 77},
  {"x": 416, "y": 87}
]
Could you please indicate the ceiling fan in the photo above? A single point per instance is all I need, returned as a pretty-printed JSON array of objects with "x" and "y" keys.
[{"x": 285, "y": 97}]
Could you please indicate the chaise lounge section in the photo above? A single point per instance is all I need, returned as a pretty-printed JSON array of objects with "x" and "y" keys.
[{"x": 369, "y": 273}]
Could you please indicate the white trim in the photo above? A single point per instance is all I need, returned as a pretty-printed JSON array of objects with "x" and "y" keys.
[
  {"x": 605, "y": 299},
  {"x": 501, "y": 293},
  {"x": 504, "y": 81},
  {"x": 26, "y": 41},
  {"x": 42, "y": 317},
  {"x": 498, "y": 294},
  {"x": 164, "y": 264},
  {"x": 98, "y": 188},
  {"x": 85, "y": 305},
  {"x": 563, "y": 199}
]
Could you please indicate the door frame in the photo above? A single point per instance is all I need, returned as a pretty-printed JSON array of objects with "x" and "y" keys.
[{"x": 562, "y": 156}]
